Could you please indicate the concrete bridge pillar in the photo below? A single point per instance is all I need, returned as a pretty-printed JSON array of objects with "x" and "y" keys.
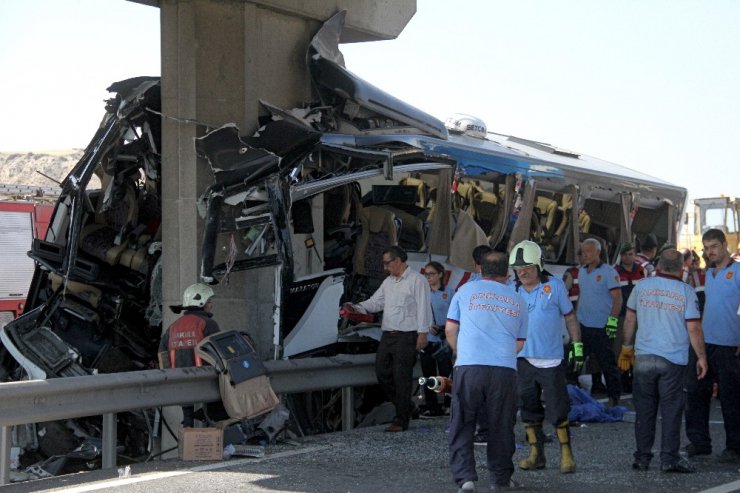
[{"x": 219, "y": 57}]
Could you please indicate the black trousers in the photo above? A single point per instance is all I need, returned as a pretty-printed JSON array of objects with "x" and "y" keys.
[
  {"x": 598, "y": 345},
  {"x": 549, "y": 383},
  {"x": 658, "y": 382},
  {"x": 724, "y": 368},
  {"x": 492, "y": 391},
  {"x": 188, "y": 420},
  {"x": 394, "y": 367},
  {"x": 430, "y": 367}
]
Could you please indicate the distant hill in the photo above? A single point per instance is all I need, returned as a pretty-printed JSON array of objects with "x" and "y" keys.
[{"x": 22, "y": 168}]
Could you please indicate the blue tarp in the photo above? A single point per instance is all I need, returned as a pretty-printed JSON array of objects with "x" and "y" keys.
[{"x": 583, "y": 407}]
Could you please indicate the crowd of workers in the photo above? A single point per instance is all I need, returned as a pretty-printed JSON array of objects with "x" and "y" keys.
[{"x": 504, "y": 334}]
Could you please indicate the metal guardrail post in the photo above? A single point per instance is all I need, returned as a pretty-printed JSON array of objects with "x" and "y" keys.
[
  {"x": 5, "y": 444},
  {"x": 110, "y": 440},
  {"x": 348, "y": 408},
  {"x": 36, "y": 401}
]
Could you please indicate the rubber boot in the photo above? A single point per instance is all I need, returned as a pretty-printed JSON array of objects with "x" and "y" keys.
[
  {"x": 536, "y": 439},
  {"x": 567, "y": 462}
]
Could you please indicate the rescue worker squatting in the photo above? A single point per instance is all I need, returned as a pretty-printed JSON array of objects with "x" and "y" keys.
[{"x": 177, "y": 347}]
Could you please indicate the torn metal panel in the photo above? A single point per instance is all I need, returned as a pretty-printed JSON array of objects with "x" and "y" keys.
[
  {"x": 282, "y": 137},
  {"x": 325, "y": 43},
  {"x": 231, "y": 159},
  {"x": 366, "y": 106}
]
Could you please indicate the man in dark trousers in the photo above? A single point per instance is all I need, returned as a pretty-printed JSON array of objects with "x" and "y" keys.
[
  {"x": 630, "y": 273},
  {"x": 403, "y": 297},
  {"x": 486, "y": 328},
  {"x": 721, "y": 324},
  {"x": 598, "y": 308},
  {"x": 668, "y": 314},
  {"x": 177, "y": 348},
  {"x": 541, "y": 365}
]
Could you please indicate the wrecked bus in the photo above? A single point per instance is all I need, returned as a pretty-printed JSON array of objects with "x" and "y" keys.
[{"x": 316, "y": 195}]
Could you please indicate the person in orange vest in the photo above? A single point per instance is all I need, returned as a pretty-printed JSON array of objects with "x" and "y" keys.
[
  {"x": 177, "y": 347},
  {"x": 630, "y": 273},
  {"x": 648, "y": 251},
  {"x": 696, "y": 277},
  {"x": 570, "y": 278}
]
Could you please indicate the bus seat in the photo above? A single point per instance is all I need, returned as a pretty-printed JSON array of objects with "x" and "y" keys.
[
  {"x": 108, "y": 236},
  {"x": 484, "y": 209},
  {"x": 379, "y": 231},
  {"x": 83, "y": 291},
  {"x": 432, "y": 204},
  {"x": 465, "y": 192},
  {"x": 421, "y": 189},
  {"x": 468, "y": 235},
  {"x": 566, "y": 205},
  {"x": 584, "y": 222},
  {"x": 411, "y": 236},
  {"x": 546, "y": 209}
]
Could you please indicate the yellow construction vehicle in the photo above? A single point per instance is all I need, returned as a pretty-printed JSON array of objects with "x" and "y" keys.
[{"x": 714, "y": 212}]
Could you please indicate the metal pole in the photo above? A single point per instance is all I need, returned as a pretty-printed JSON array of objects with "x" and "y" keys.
[
  {"x": 5, "y": 444},
  {"x": 110, "y": 433},
  {"x": 348, "y": 408}
]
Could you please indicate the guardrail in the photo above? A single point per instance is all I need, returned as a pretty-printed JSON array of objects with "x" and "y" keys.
[{"x": 37, "y": 401}]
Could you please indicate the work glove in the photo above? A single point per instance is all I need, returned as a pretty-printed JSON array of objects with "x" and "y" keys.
[
  {"x": 626, "y": 358},
  {"x": 575, "y": 356},
  {"x": 611, "y": 327}
]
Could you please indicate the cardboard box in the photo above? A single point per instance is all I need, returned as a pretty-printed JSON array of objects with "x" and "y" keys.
[{"x": 201, "y": 444}]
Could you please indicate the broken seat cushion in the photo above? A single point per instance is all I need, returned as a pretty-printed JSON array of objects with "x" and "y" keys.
[{"x": 98, "y": 240}]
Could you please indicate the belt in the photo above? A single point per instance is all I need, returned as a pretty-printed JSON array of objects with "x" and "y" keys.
[{"x": 398, "y": 332}]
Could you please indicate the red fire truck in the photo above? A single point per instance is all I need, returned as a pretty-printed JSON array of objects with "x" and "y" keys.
[{"x": 20, "y": 222}]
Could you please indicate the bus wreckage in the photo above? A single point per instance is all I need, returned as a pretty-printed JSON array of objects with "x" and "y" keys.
[{"x": 316, "y": 194}]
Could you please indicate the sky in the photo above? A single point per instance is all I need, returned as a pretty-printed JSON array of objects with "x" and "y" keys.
[{"x": 651, "y": 85}]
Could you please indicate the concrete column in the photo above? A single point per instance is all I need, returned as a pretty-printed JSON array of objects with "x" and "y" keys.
[{"x": 219, "y": 57}]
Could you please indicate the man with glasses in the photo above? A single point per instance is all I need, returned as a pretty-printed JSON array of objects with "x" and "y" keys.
[
  {"x": 721, "y": 323},
  {"x": 436, "y": 358},
  {"x": 403, "y": 297}
]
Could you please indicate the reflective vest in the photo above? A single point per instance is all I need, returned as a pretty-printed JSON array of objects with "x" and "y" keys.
[
  {"x": 697, "y": 279},
  {"x": 570, "y": 278},
  {"x": 184, "y": 335},
  {"x": 646, "y": 264},
  {"x": 628, "y": 279}
]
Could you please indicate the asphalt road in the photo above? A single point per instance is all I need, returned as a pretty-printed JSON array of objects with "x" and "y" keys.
[{"x": 370, "y": 460}]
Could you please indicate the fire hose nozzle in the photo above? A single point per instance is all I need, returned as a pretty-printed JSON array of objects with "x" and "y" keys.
[{"x": 438, "y": 384}]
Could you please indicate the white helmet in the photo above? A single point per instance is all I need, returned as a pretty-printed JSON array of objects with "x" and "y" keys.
[
  {"x": 197, "y": 295},
  {"x": 468, "y": 125},
  {"x": 526, "y": 253}
]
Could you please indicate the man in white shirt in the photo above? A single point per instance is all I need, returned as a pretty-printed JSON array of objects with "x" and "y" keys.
[{"x": 403, "y": 297}]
